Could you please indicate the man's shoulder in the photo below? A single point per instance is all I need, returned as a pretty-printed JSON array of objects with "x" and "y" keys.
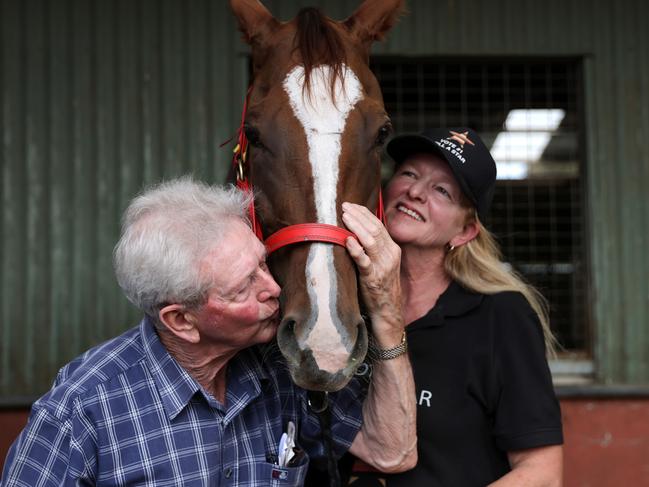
[{"x": 111, "y": 364}]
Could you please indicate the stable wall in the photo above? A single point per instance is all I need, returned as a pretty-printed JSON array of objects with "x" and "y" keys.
[{"x": 101, "y": 97}]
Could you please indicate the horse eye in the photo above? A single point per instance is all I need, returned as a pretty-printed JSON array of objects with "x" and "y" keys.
[
  {"x": 383, "y": 134},
  {"x": 253, "y": 136}
]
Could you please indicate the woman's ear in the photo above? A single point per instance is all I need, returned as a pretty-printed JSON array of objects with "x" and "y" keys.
[
  {"x": 181, "y": 322},
  {"x": 468, "y": 233}
]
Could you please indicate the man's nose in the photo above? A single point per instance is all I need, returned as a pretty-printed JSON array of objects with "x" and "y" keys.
[{"x": 270, "y": 288}]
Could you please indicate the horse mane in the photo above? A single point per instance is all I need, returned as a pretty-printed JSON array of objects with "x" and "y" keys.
[{"x": 318, "y": 43}]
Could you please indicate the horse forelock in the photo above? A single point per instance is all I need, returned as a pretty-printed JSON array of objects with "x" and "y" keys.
[{"x": 318, "y": 42}]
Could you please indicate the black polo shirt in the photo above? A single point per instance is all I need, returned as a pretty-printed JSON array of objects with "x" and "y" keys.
[{"x": 483, "y": 388}]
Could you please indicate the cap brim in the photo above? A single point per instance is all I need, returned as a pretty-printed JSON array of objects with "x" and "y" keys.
[{"x": 404, "y": 146}]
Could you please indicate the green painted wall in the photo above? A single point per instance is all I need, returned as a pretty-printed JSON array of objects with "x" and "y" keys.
[
  {"x": 100, "y": 97},
  {"x": 97, "y": 99}
]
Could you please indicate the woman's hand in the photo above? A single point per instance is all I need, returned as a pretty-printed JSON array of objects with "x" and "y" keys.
[
  {"x": 378, "y": 259},
  {"x": 386, "y": 444}
]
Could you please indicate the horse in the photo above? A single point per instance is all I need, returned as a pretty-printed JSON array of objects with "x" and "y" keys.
[{"x": 315, "y": 124}]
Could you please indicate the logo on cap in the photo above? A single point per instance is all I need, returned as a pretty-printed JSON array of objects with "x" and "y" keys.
[
  {"x": 455, "y": 144},
  {"x": 462, "y": 138}
]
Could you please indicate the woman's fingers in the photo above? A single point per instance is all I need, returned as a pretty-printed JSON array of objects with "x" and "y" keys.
[
  {"x": 371, "y": 233},
  {"x": 375, "y": 253},
  {"x": 378, "y": 258},
  {"x": 363, "y": 262},
  {"x": 362, "y": 222},
  {"x": 363, "y": 217}
]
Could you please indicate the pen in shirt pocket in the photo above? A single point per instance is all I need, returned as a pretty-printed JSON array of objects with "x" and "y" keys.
[{"x": 285, "y": 449}]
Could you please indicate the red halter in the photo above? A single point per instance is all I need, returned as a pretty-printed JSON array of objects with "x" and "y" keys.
[{"x": 302, "y": 232}]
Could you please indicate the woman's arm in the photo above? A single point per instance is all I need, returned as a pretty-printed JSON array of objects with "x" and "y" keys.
[
  {"x": 534, "y": 467},
  {"x": 388, "y": 438}
]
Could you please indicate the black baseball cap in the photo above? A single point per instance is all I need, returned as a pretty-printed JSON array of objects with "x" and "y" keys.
[{"x": 465, "y": 152}]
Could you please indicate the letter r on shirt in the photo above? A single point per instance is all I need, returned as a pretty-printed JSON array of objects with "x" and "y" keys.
[{"x": 425, "y": 396}]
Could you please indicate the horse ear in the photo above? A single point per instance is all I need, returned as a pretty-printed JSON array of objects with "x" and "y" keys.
[
  {"x": 255, "y": 21},
  {"x": 373, "y": 19}
]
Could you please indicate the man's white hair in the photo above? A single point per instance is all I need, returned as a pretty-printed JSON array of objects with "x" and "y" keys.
[{"x": 167, "y": 231}]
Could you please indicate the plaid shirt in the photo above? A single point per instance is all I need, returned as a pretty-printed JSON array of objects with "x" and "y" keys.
[{"x": 125, "y": 413}]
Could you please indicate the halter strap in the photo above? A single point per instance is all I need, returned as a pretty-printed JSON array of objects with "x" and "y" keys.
[
  {"x": 307, "y": 232},
  {"x": 292, "y": 234},
  {"x": 239, "y": 160}
]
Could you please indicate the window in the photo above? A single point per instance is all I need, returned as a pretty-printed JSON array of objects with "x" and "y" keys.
[{"x": 528, "y": 113}]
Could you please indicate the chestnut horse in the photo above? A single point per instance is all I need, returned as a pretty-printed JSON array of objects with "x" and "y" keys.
[{"x": 316, "y": 125}]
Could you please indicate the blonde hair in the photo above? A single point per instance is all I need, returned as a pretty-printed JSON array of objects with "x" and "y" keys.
[{"x": 478, "y": 266}]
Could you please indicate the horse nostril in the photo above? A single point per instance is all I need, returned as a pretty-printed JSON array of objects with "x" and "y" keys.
[
  {"x": 287, "y": 340},
  {"x": 360, "y": 348},
  {"x": 287, "y": 326}
]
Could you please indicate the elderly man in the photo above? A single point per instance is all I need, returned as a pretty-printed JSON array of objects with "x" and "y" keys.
[{"x": 189, "y": 397}]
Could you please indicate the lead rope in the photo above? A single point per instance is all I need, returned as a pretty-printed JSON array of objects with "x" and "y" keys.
[{"x": 319, "y": 404}]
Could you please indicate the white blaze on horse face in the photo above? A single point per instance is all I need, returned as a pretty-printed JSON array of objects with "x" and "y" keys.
[{"x": 323, "y": 119}]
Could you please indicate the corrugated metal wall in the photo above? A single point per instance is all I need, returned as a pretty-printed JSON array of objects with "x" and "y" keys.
[{"x": 98, "y": 97}]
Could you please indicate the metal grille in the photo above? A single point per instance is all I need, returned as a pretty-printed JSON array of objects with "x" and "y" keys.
[{"x": 528, "y": 113}]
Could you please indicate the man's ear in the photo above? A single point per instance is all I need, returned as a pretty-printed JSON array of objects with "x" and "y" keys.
[
  {"x": 181, "y": 322},
  {"x": 468, "y": 233}
]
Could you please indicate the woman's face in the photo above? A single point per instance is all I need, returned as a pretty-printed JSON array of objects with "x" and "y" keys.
[{"x": 424, "y": 203}]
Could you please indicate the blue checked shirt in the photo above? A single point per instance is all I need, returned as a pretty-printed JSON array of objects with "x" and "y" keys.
[{"x": 125, "y": 413}]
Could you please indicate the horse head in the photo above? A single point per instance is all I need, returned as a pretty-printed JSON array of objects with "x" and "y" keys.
[{"x": 316, "y": 125}]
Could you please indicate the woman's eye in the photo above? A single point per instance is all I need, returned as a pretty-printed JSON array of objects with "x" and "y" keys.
[
  {"x": 253, "y": 136},
  {"x": 383, "y": 134},
  {"x": 443, "y": 191}
]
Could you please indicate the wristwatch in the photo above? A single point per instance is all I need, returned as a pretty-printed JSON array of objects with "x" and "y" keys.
[{"x": 377, "y": 353}]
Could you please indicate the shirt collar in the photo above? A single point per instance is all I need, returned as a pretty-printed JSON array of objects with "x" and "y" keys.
[
  {"x": 175, "y": 386},
  {"x": 457, "y": 300},
  {"x": 454, "y": 301},
  {"x": 246, "y": 379}
]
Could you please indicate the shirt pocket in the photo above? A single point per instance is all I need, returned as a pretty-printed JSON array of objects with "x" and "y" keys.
[{"x": 285, "y": 476}]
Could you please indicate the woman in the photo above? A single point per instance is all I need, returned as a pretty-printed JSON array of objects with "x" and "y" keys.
[{"x": 477, "y": 334}]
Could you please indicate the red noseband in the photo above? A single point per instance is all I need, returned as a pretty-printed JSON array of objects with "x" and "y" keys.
[
  {"x": 300, "y": 233},
  {"x": 307, "y": 232}
]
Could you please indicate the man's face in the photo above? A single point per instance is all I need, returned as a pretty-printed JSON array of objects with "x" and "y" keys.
[{"x": 242, "y": 308}]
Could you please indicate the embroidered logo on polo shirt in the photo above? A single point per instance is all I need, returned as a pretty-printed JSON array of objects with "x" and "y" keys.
[{"x": 455, "y": 144}]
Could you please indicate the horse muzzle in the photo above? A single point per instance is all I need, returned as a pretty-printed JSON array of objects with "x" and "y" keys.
[{"x": 318, "y": 365}]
